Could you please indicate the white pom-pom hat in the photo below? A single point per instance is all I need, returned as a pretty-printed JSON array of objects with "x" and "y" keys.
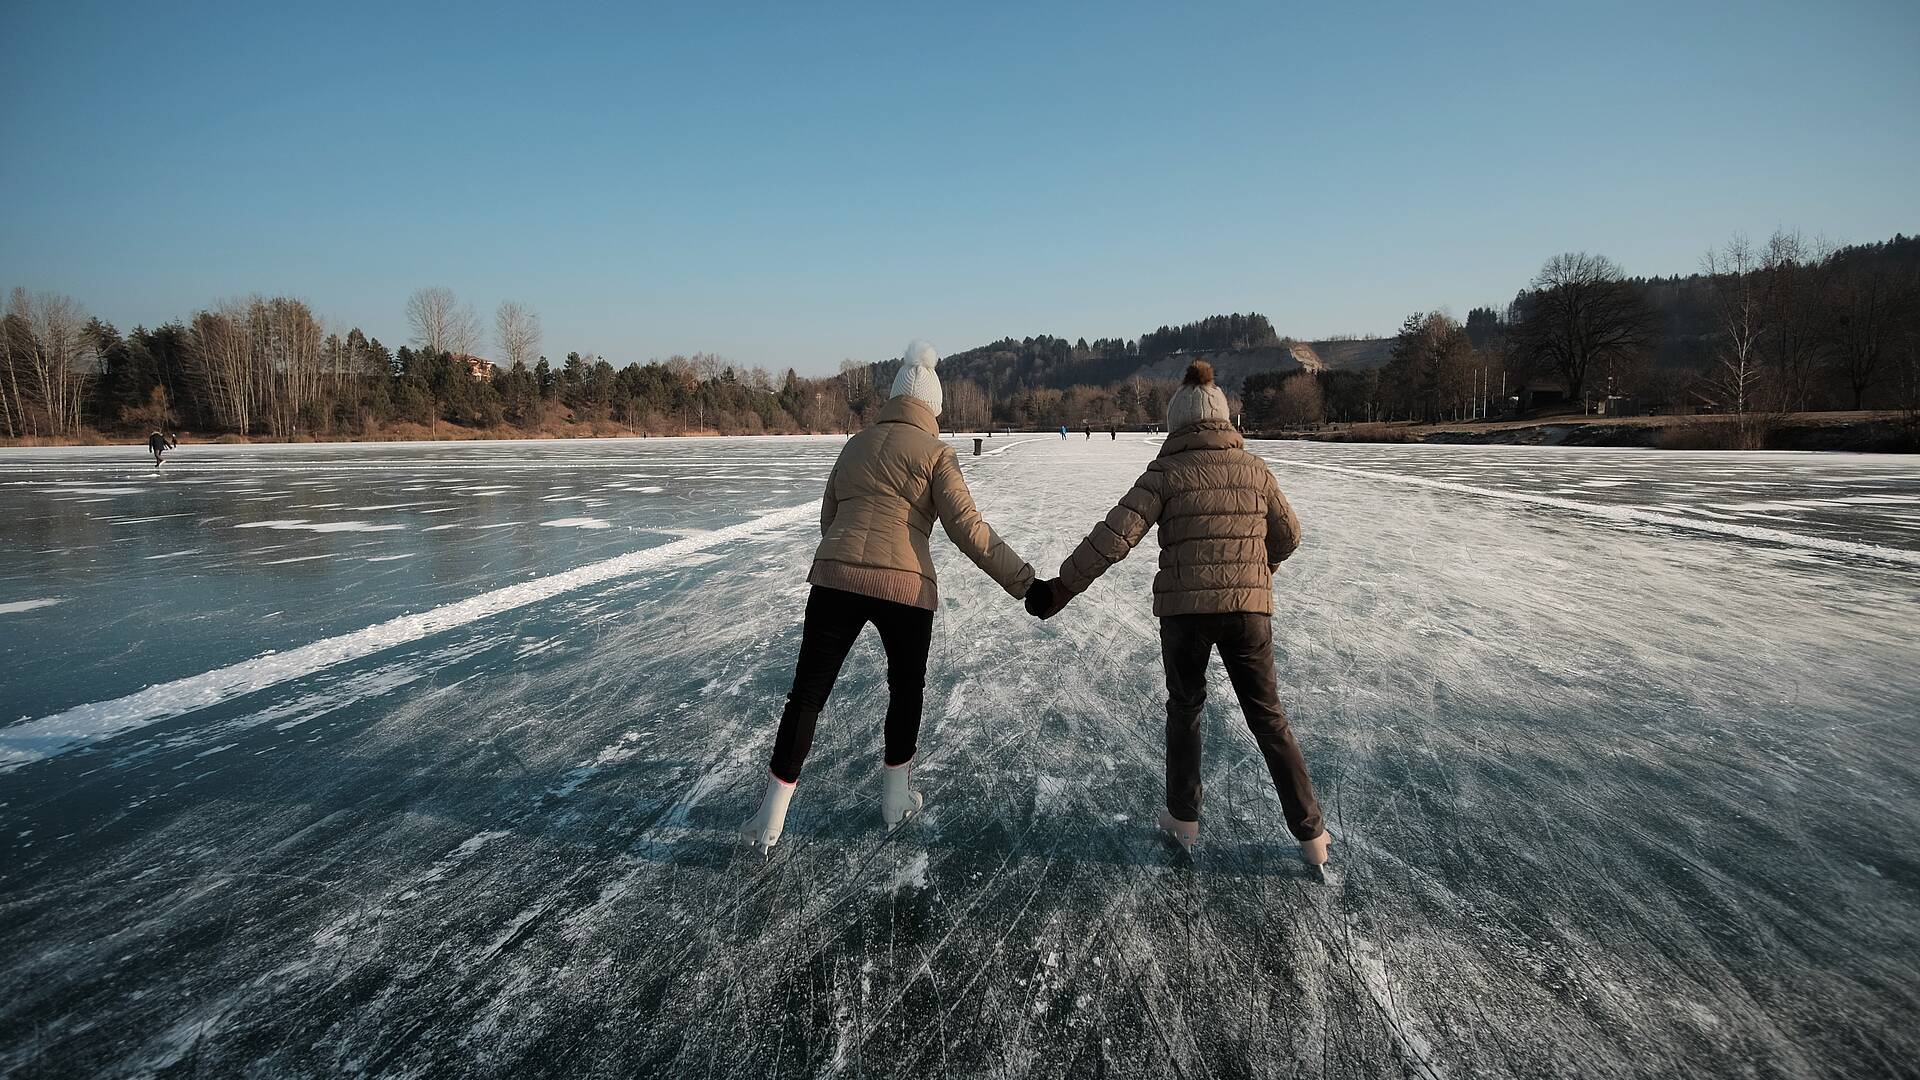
[{"x": 917, "y": 378}]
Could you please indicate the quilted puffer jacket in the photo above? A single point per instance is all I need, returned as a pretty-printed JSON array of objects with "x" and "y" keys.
[
  {"x": 1224, "y": 527},
  {"x": 891, "y": 483}
]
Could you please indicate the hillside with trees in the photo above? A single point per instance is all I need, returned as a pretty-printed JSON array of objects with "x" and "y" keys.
[{"x": 1760, "y": 331}]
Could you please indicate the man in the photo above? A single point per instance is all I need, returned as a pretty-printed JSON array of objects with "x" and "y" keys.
[
  {"x": 156, "y": 445},
  {"x": 1224, "y": 528}
]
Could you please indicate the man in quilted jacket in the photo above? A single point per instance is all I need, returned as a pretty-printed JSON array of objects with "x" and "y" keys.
[{"x": 1224, "y": 528}]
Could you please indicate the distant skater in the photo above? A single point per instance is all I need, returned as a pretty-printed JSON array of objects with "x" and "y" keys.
[
  {"x": 158, "y": 445},
  {"x": 1113, "y": 433},
  {"x": 873, "y": 565},
  {"x": 1088, "y": 428},
  {"x": 1063, "y": 431},
  {"x": 1224, "y": 528}
]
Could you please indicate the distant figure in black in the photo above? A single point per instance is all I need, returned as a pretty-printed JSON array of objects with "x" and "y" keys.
[
  {"x": 157, "y": 445},
  {"x": 1113, "y": 432},
  {"x": 1088, "y": 428}
]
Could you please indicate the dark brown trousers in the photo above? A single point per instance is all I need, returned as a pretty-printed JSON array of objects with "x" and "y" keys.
[{"x": 1245, "y": 642}]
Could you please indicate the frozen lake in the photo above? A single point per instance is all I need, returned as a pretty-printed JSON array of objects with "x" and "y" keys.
[{"x": 426, "y": 759}]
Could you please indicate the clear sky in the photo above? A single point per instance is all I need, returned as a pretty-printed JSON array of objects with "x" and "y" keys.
[{"x": 792, "y": 184}]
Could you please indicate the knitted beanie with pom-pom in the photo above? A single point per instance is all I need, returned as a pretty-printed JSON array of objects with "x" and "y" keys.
[
  {"x": 917, "y": 378},
  {"x": 1197, "y": 401}
]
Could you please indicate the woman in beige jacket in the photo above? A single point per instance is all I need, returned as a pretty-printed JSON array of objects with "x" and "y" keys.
[
  {"x": 873, "y": 565},
  {"x": 1224, "y": 528}
]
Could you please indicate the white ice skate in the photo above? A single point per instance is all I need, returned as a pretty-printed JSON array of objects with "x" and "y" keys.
[
  {"x": 762, "y": 830},
  {"x": 1184, "y": 833},
  {"x": 898, "y": 799}
]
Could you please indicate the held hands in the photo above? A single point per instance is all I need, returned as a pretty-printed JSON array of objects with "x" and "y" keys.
[{"x": 1045, "y": 599}]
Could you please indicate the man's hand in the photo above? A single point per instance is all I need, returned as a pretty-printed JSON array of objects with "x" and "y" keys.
[{"x": 1045, "y": 599}]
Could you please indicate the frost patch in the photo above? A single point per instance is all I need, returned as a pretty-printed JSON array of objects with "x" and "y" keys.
[
  {"x": 30, "y": 605},
  {"x": 467, "y": 849},
  {"x": 911, "y": 876},
  {"x": 303, "y": 525}
]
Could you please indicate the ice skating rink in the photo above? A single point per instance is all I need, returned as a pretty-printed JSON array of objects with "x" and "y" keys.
[{"x": 426, "y": 760}]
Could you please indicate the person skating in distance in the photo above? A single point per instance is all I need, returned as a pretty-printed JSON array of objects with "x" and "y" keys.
[
  {"x": 158, "y": 445},
  {"x": 890, "y": 484},
  {"x": 1224, "y": 529}
]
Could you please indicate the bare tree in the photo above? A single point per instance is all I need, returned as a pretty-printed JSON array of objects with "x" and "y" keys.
[
  {"x": 13, "y": 350},
  {"x": 1863, "y": 309},
  {"x": 284, "y": 338},
  {"x": 1739, "y": 309},
  {"x": 858, "y": 385},
  {"x": 965, "y": 405},
  {"x": 516, "y": 329},
  {"x": 220, "y": 352},
  {"x": 1582, "y": 312},
  {"x": 1301, "y": 403},
  {"x": 1791, "y": 268},
  {"x": 1906, "y": 372},
  {"x": 441, "y": 323},
  {"x": 48, "y": 347}
]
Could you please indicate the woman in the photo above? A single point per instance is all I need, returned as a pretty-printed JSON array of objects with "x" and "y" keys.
[
  {"x": 873, "y": 566},
  {"x": 1224, "y": 528}
]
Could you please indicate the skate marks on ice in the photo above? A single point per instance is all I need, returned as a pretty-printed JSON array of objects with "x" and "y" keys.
[
  {"x": 1835, "y": 500},
  {"x": 1575, "y": 837},
  {"x": 49, "y": 736}
]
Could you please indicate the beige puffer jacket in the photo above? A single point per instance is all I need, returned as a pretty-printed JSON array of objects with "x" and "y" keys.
[
  {"x": 1224, "y": 527},
  {"x": 891, "y": 482}
]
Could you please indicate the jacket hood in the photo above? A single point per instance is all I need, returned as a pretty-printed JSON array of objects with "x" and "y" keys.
[
  {"x": 909, "y": 410},
  {"x": 1205, "y": 435}
]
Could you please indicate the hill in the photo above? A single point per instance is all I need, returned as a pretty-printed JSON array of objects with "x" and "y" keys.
[{"x": 1237, "y": 345}]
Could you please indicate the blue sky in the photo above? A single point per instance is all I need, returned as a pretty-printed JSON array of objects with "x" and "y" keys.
[{"x": 790, "y": 186}]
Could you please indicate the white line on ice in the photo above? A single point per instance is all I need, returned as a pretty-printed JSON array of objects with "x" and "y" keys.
[
  {"x": 51, "y": 736},
  {"x": 543, "y": 465},
  {"x": 29, "y": 605},
  {"x": 1004, "y": 447},
  {"x": 1629, "y": 513}
]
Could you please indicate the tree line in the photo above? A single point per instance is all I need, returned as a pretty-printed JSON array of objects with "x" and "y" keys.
[
  {"x": 1787, "y": 325},
  {"x": 1761, "y": 330},
  {"x": 269, "y": 367}
]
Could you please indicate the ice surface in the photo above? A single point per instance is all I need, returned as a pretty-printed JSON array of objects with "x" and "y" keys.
[{"x": 1616, "y": 789}]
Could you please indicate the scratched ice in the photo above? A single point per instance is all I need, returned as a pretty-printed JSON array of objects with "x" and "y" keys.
[{"x": 377, "y": 759}]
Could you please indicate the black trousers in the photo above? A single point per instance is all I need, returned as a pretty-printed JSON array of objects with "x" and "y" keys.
[
  {"x": 833, "y": 623},
  {"x": 1245, "y": 642}
]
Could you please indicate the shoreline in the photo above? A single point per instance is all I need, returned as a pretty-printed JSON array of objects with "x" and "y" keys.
[
  {"x": 1879, "y": 432},
  {"x": 1882, "y": 431}
]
